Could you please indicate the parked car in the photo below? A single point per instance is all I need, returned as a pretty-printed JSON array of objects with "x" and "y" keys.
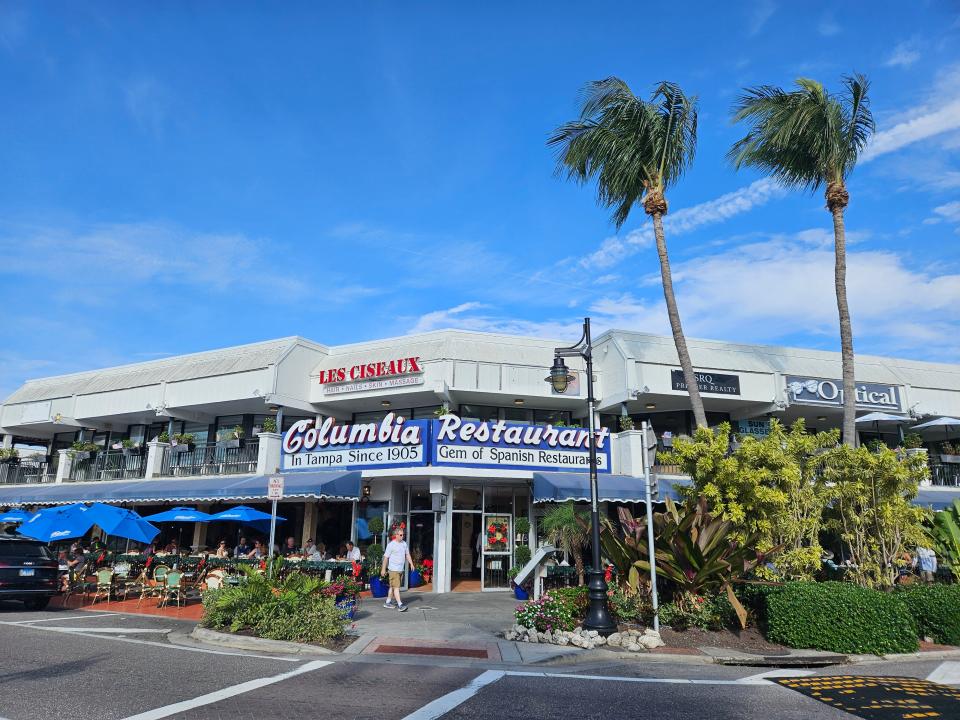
[{"x": 28, "y": 571}]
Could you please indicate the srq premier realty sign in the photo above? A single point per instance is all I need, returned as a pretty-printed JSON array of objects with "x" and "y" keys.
[{"x": 449, "y": 441}]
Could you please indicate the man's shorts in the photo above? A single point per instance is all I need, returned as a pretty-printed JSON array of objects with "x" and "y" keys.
[{"x": 395, "y": 578}]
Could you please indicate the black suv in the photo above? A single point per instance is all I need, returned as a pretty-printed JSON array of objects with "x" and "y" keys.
[{"x": 28, "y": 572}]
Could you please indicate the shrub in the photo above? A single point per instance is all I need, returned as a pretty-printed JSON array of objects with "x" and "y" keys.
[
  {"x": 522, "y": 525},
  {"x": 935, "y": 610},
  {"x": 630, "y": 606},
  {"x": 840, "y": 617},
  {"x": 560, "y": 609},
  {"x": 522, "y": 555},
  {"x": 707, "y": 612}
]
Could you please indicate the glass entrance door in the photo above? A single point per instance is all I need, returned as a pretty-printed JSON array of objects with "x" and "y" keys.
[{"x": 496, "y": 533}]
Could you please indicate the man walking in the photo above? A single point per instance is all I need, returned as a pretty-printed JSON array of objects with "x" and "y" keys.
[{"x": 394, "y": 556}]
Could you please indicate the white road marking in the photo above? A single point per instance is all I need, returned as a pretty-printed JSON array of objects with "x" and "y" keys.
[
  {"x": 946, "y": 673},
  {"x": 614, "y": 678},
  {"x": 90, "y": 632},
  {"x": 445, "y": 703},
  {"x": 54, "y": 619},
  {"x": 762, "y": 678},
  {"x": 118, "y": 631},
  {"x": 228, "y": 692}
]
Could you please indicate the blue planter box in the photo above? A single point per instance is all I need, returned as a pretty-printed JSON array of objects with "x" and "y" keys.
[
  {"x": 415, "y": 579},
  {"x": 378, "y": 588}
]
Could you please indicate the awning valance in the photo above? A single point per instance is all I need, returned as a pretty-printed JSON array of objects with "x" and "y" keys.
[
  {"x": 560, "y": 487},
  {"x": 327, "y": 484}
]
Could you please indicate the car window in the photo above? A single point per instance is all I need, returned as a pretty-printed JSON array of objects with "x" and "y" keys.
[{"x": 24, "y": 550}]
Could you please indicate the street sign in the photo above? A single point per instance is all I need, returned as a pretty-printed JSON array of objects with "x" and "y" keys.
[{"x": 275, "y": 488}]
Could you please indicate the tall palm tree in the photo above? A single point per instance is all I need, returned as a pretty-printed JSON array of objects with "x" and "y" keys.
[
  {"x": 806, "y": 138},
  {"x": 635, "y": 149}
]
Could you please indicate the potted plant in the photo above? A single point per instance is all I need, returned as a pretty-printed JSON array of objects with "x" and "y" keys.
[
  {"x": 442, "y": 410},
  {"x": 82, "y": 450},
  {"x": 518, "y": 592},
  {"x": 182, "y": 442},
  {"x": 9, "y": 456},
  {"x": 913, "y": 444},
  {"x": 414, "y": 577},
  {"x": 522, "y": 528},
  {"x": 129, "y": 447},
  {"x": 374, "y": 561},
  {"x": 269, "y": 425},
  {"x": 949, "y": 453},
  {"x": 163, "y": 437},
  {"x": 626, "y": 423},
  {"x": 425, "y": 569},
  {"x": 230, "y": 438}
]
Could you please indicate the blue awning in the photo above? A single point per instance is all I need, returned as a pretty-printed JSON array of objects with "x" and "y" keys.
[
  {"x": 326, "y": 484},
  {"x": 559, "y": 487}
]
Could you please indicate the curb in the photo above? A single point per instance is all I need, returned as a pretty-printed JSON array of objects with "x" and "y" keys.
[
  {"x": 906, "y": 657},
  {"x": 244, "y": 642}
]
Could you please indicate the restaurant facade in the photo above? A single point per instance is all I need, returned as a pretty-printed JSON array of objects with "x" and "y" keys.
[{"x": 450, "y": 433}]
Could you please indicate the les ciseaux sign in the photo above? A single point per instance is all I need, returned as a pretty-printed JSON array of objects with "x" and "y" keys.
[
  {"x": 448, "y": 441},
  {"x": 372, "y": 376},
  {"x": 817, "y": 391}
]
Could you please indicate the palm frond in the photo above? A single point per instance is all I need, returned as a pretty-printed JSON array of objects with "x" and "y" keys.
[
  {"x": 805, "y": 137},
  {"x": 628, "y": 145}
]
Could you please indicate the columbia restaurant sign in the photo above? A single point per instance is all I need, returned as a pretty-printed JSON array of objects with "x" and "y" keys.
[
  {"x": 396, "y": 372},
  {"x": 817, "y": 391},
  {"x": 449, "y": 441}
]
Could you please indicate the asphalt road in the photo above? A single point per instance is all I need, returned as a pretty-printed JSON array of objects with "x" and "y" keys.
[{"x": 67, "y": 664}]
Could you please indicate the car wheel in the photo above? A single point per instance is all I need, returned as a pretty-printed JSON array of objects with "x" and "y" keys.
[{"x": 36, "y": 603}]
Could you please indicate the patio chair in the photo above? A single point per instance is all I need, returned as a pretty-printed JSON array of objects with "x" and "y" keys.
[
  {"x": 154, "y": 587},
  {"x": 76, "y": 583},
  {"x": 134, "y": 585},
  {"x": 104, "y": 585},
  {"x": 172, "y": 590}
]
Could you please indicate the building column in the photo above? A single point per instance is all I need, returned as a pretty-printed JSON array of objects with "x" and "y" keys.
[
  {"x": 156, "y": 451},
  {"x": 441, "y": 533},
  {"x": 200, "y": 529},
  {"x": 268, "y": 454},
  {"x": 64, "y": 466},
  {"x": 309, "y": 522},
  {"x": 7, "y": 441}
]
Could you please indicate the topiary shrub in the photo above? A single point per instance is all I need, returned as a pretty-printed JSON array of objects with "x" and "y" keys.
[
  {"x": 521, "y": 555},
  {"x": 935, "y": 610},
  {"x": 840, "y": 617}
]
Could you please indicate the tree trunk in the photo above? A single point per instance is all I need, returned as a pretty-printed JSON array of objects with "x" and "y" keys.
[
  {"x": 846, "y": 329},
  {"x": 667, "y": 279}
]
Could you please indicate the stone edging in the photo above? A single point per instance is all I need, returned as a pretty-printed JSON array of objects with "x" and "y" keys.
[
  {"x": 631, "y": 640},
  {"x": 245, "y": 642}
]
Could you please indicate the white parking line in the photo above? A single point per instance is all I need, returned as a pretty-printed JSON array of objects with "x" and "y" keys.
[
  {"x": 54, "y": 619},
  {"x": 109, "y": 630},
  {"x": 445, "y": 703},
  {"x": 751, "y": 680},
  {"x": 763, "y": 678},
  {"x": 91, "y": 633},
  {"x": 227, "y": 692}
]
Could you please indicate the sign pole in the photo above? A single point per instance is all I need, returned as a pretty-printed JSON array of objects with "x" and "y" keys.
[
  {"x": 274, "y": 492},
  {"x": 650, "y": 544}
]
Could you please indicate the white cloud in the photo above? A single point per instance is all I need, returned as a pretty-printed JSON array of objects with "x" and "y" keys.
[
  {"x": 828, "y": 27},
  {"x": 761, "y": 12},
  {"x": 939, "y": 114},
  {"x": 950, "y": 212},
  {"x": 149, "y": 103},
  {"x": 615, "y": 249},
  {"x": 904, "y": 54},
  {"x": 772, "y": 291}
]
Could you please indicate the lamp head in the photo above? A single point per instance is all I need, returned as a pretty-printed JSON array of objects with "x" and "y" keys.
[{"x": 559, "y": 377}]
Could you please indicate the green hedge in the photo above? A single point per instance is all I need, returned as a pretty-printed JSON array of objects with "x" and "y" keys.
[
  {"x": 935, "y": 610},
  {"x": 840, "y": 617}
]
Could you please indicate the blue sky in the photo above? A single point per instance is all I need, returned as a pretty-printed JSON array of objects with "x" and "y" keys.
[{"x": 178, "y": 177}]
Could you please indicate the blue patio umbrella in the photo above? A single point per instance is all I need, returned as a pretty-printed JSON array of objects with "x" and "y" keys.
[
  {"x": 120, "y": 522},
  {"x": 57, "y": 523},
  {"x": 243, "y": 515},
  {"x": 15, "y": 516},
  {"x": 179, "y": 514}
]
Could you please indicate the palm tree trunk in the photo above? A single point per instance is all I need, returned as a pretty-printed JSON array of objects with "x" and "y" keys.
[
  {"x": 846, "y": 329},
  {"x": 674, "y": 314}
]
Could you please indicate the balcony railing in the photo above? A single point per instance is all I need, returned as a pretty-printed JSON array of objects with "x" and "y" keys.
[
  {"x": 110, "y": 465},
  {"x": 945, "y": 475},
  {"x": 210, "y": 459},
  {"x": 22, "y": 473}
]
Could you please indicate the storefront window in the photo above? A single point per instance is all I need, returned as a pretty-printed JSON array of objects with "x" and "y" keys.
[
  {"x": 483, "y": 413},
  {"x": 498, "y": 499},
  {"x": 423, "y": 413},
  {"x": 516, "y": 414},
  {"x": 200, "y": 432},
  {"x": 420, "y": 499},
  {"x": 467, "y": 498},
  {"x": 289, "y": 420},
  {"x": 372, "y": 417},
  {"x": 365, "y": 513},
  {"x": 226, "y": 424},
  {"x": 551, "y": 417}
]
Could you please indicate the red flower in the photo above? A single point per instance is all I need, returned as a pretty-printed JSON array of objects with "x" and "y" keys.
[{"x": 357, "y": 569}]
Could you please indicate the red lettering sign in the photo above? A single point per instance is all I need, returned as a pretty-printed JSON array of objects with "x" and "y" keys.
[{"x": 362, "y": 371}]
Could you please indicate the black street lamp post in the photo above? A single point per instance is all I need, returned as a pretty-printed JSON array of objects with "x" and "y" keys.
[{"x": 598, "y": 615}]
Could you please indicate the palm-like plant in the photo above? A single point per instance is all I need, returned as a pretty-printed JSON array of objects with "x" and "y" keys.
[
  {"x": 568, "y": 529},
  {"x": 806, "y": 138},
  {"x": 945, "y": 535},
  {"x": 635, "y": 149}
]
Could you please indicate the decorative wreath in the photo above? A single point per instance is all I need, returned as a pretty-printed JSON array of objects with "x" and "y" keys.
[
  {"x": 397, "y": 525},
  {"x": 497, "y": 533}
]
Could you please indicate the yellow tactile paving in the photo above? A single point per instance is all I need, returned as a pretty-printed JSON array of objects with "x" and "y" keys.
[{"x": 880, "y": 698}]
